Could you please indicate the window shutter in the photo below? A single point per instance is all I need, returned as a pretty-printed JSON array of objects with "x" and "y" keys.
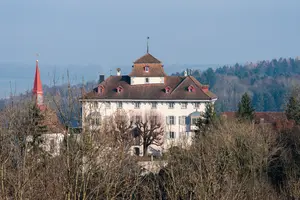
[
  {"x": 174, "y": 120},
  {"x": 167, "y": 119}
]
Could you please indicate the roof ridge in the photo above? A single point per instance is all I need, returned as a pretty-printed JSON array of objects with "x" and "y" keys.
[
  {"x": 178, "y": 84},
  {"x": 192, "y": 78},
  {"x": 154, "y": 60}
]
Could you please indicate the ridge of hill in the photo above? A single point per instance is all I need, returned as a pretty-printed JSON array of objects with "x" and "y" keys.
[{"x": 269, "y": 83}]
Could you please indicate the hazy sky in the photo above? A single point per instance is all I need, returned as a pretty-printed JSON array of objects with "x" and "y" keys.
[{"x": 111, "y": 32}]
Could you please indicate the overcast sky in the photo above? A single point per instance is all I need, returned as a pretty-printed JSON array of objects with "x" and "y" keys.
[{"x": 112, "y": 32}]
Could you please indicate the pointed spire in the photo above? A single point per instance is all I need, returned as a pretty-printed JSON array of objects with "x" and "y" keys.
[{"x": 37, "y": 86}]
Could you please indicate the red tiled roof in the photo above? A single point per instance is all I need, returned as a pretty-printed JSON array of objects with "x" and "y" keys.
[
  {"x": 154, "y": 71},
  {"x": 178, "y": 85},
  {"x": 147, "y": 58},
  {"x": 37, "y": 85}
]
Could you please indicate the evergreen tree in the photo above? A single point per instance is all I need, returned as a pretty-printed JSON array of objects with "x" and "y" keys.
[
  {"x": 209, "y": 119},
  {"x": 35, "y": 127},
  {"x": 293, "y": 109},
  {"x": 245, "y": 109}
]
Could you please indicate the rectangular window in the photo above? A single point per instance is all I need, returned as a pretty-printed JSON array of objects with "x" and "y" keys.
[
  {"x": 95, "y": 104},
  {"x": 138, "y": 119},
  {"x": 137, "y": 105},
  {"x": 183, "y": 105},
  {"x": 187, "y": 134},
  {"x": 194, "y": 121},
  {"x": 171, "y": 120},
  {"x": 154, "y": 105},
  {"x": 197, "y": 105},
  {"x": 171, "y": 105},
  {"x": 119, "y": 105},
  {"x": 98, "y": 121},
  {"x": 172, "y": 135},
  {"x": 154, "y": 120},
  {"x": 107, "y": 105},
  {"x": 182, "y": 120},
  {"x": 146, "y": 80}
]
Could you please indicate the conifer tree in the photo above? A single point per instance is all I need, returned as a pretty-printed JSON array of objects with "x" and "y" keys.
[
  {"x": 245, "y": 108},
  {"x": 293, "y": 109},
  {"x": 207, "y": 120}
]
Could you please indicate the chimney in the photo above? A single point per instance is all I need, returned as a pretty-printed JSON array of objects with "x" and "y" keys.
[
  {"x": 118, "y": 71},
  {"x": 204, "y": 88},
  {"x": 101, "y": 78},
  {"x": 185, "y": 73}
]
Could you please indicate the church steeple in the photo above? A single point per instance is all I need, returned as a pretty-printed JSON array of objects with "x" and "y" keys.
[{"x": 37, "y": 86}]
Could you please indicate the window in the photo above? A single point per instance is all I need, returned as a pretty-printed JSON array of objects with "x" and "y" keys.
[
  {"x": 119, "y": 89},
  {"x": 171, "y": 120},
  {"x": 183, "y": 105},
  {"x": 191, "y": 88},
  {"x": 146, "y": 80},
  {"x": 172, "y": 135},
  {"x": 100, "y": 89},
  {"x": 107, "y": 105},
  {"x": 119, "y": 105},
  {"x": 167, "y": 89},
  {"x": 182, "y": 120},
  {"x": 197, "y": 105},
  {"x": 95, "y": 104},
  {"x": 171, "y": 105},
  {"x": 194, "y": 121},
  {"x": 137, "y": 105},
  {"x": 98, "y": 121},
  {"x": 154, "y": 120},
  {"x": 187, "y": 134},
  {"x": 138, "y": 119},
  {"x": 146, "y": 68},
  {"x": 154, "y": 105}
]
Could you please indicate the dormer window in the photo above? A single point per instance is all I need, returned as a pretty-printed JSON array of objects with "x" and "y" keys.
[
  {"x": 191, "y": 88},
  {"x": 167, "y": 89},
  {"x": 119, "y": 89},
  {"x": 101, "y": 89},
  {"x": 146, "y": 68}
]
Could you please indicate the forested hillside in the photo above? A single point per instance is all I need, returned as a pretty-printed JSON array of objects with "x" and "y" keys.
[{"x": 267, "y": 82}]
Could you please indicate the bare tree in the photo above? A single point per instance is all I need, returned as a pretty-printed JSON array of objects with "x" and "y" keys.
[
  {"x": 120, "y": 129},
  {"x": 150, "y": 129}
]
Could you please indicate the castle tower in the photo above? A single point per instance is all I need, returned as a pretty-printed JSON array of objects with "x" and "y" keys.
[{"x": 37, "y": 87}]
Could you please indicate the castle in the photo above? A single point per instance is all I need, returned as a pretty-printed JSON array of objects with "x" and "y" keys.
[{"x": 178, "y": 100}]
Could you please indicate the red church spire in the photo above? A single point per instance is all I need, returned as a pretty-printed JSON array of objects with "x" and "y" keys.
[{"x": 37, "y": 86}]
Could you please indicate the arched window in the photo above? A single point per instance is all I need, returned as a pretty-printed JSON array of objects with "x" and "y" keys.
[
  {"x": 119, "y": 89},
  {"x": 146, "y": 68},
  {"x": 167, "y": 89},
  {"x": 191, "y": 88},
  {"x": 101, "y": 89}
]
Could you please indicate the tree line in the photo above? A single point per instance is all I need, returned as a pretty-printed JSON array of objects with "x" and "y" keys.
[{"x": 268, "y": 83}]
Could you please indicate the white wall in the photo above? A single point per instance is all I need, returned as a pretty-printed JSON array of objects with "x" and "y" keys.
[
  {"x": 182, "y": 132},
  {"x": 142, "y": 80}
]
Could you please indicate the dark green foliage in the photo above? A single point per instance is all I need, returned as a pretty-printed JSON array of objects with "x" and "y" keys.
[
  {"x": 293, "y": 109},
  {"x": 245, "y": 109},
  {"x": 208, "y": 120},
  {"x": 268, "y": 80}
]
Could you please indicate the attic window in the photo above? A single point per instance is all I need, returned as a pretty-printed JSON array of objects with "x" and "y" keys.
[
  {"x": 146, "y": 68},
  {"x": 100, "y": 89},
  {"x": 191, "y": 88},
  {"x": 119, "y": 89},
  {"x": 167, "y": 89}
]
